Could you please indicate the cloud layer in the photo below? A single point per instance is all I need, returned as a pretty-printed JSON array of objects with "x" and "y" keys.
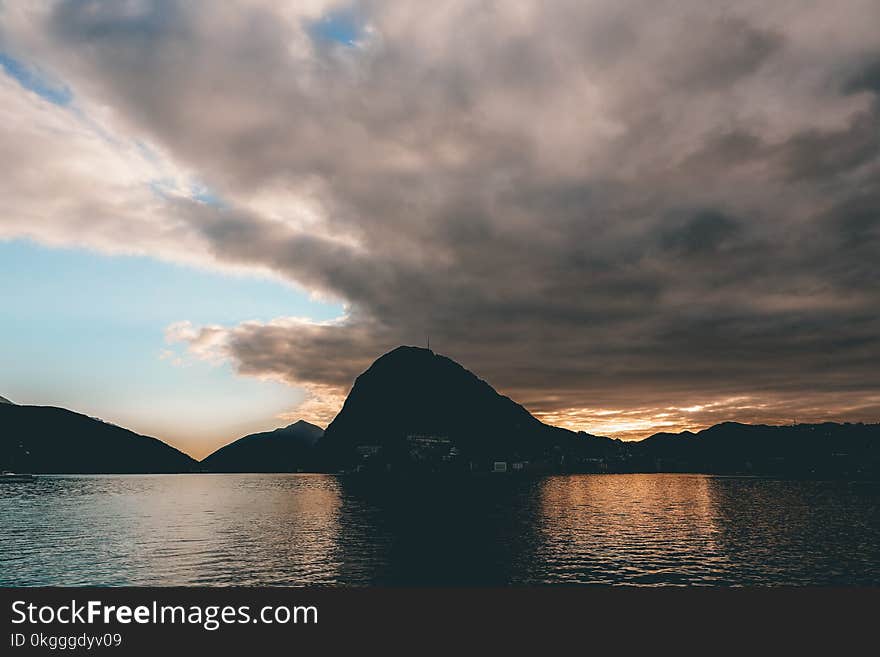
[{"x": 625, "y": 214}]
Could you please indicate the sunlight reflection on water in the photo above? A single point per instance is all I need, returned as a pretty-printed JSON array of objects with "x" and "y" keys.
[{"x": 321, "y": 529}]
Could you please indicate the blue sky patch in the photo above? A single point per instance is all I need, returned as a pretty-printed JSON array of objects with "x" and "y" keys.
[
  {"x": 207, "y": 196},
  {"x": 342, "y": 26},
  {"x": 35, "y": 80}
]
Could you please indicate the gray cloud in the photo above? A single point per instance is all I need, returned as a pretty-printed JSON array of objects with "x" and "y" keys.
[{"x": 621, "y": 205}]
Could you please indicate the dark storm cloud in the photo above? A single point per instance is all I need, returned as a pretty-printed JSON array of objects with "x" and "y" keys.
[
  {"x": 702, "y": 233},
  {"x": 593, "y": 205},
  {"x": 819, "y": 155},
  {"x": 866, "y": 76},
  {"x": 719, "y": 52}
]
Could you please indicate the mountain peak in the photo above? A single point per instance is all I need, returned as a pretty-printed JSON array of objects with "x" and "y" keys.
[
  {"x": 302, "y": 424},
  {"x": 406, "y": 353},
  {"x": 285, "y": 449},
  {"x": 407, "y": 361},
  {"x": 407, "y": 348},
  {"x": 412, "y": 393},
  {"x": 303, "y": 431}
]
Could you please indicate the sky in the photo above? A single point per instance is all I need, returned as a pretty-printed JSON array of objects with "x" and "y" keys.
[{"x": 628, "y": 215}]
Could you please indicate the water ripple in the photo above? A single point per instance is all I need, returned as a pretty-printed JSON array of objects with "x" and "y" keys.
[{"x": 640, "y": 530}]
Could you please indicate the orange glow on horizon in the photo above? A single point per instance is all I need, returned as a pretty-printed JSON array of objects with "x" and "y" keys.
[{"x": 639, "y": 423}]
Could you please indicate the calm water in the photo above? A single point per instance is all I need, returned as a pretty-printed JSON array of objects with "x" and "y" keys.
[{"x": 315, "y": 529}]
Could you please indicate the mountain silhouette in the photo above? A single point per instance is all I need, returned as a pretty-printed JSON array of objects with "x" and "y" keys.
[
  {"x": 412, "y": 397},
  {"x": 414, "y": 409},
  {"x": 825, "y": 449},
  {"x": 283, "y": 450},
  {"x": 45, "y": 439}
]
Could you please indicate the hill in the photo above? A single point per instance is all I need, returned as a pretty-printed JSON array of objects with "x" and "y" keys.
[
  {"x": 283, "y": 450},
  {"x": 45, "y": 439},
  {"x": 827, "y": 449},
  {"x": 414, "y": 406}
]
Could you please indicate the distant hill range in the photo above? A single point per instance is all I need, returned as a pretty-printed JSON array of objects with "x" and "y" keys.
[
  {"x": 818, "y": 450},
  {"x": 45, "y": 439},
  {"x": 415, "y": 411},
  {"x": 288, "y": 449}
]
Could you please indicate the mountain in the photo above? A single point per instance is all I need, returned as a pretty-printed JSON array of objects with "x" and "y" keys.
[
  {"x": 45, "y": 439},
  {"x": 413, "y": 404},
  {"x": 413, "y": 409},
  {"x": 283, "y": 450},
  {"x": 826, "y": 449}
]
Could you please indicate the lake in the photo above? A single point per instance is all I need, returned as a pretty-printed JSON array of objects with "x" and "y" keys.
[{"x": 304, "y": 529}]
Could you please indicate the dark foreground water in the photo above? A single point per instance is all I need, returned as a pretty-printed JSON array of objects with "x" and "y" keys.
[{"x": 494, "y": 530}]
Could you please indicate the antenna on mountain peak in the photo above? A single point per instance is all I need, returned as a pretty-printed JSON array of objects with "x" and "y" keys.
[{"x": 428, "y": 341}]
